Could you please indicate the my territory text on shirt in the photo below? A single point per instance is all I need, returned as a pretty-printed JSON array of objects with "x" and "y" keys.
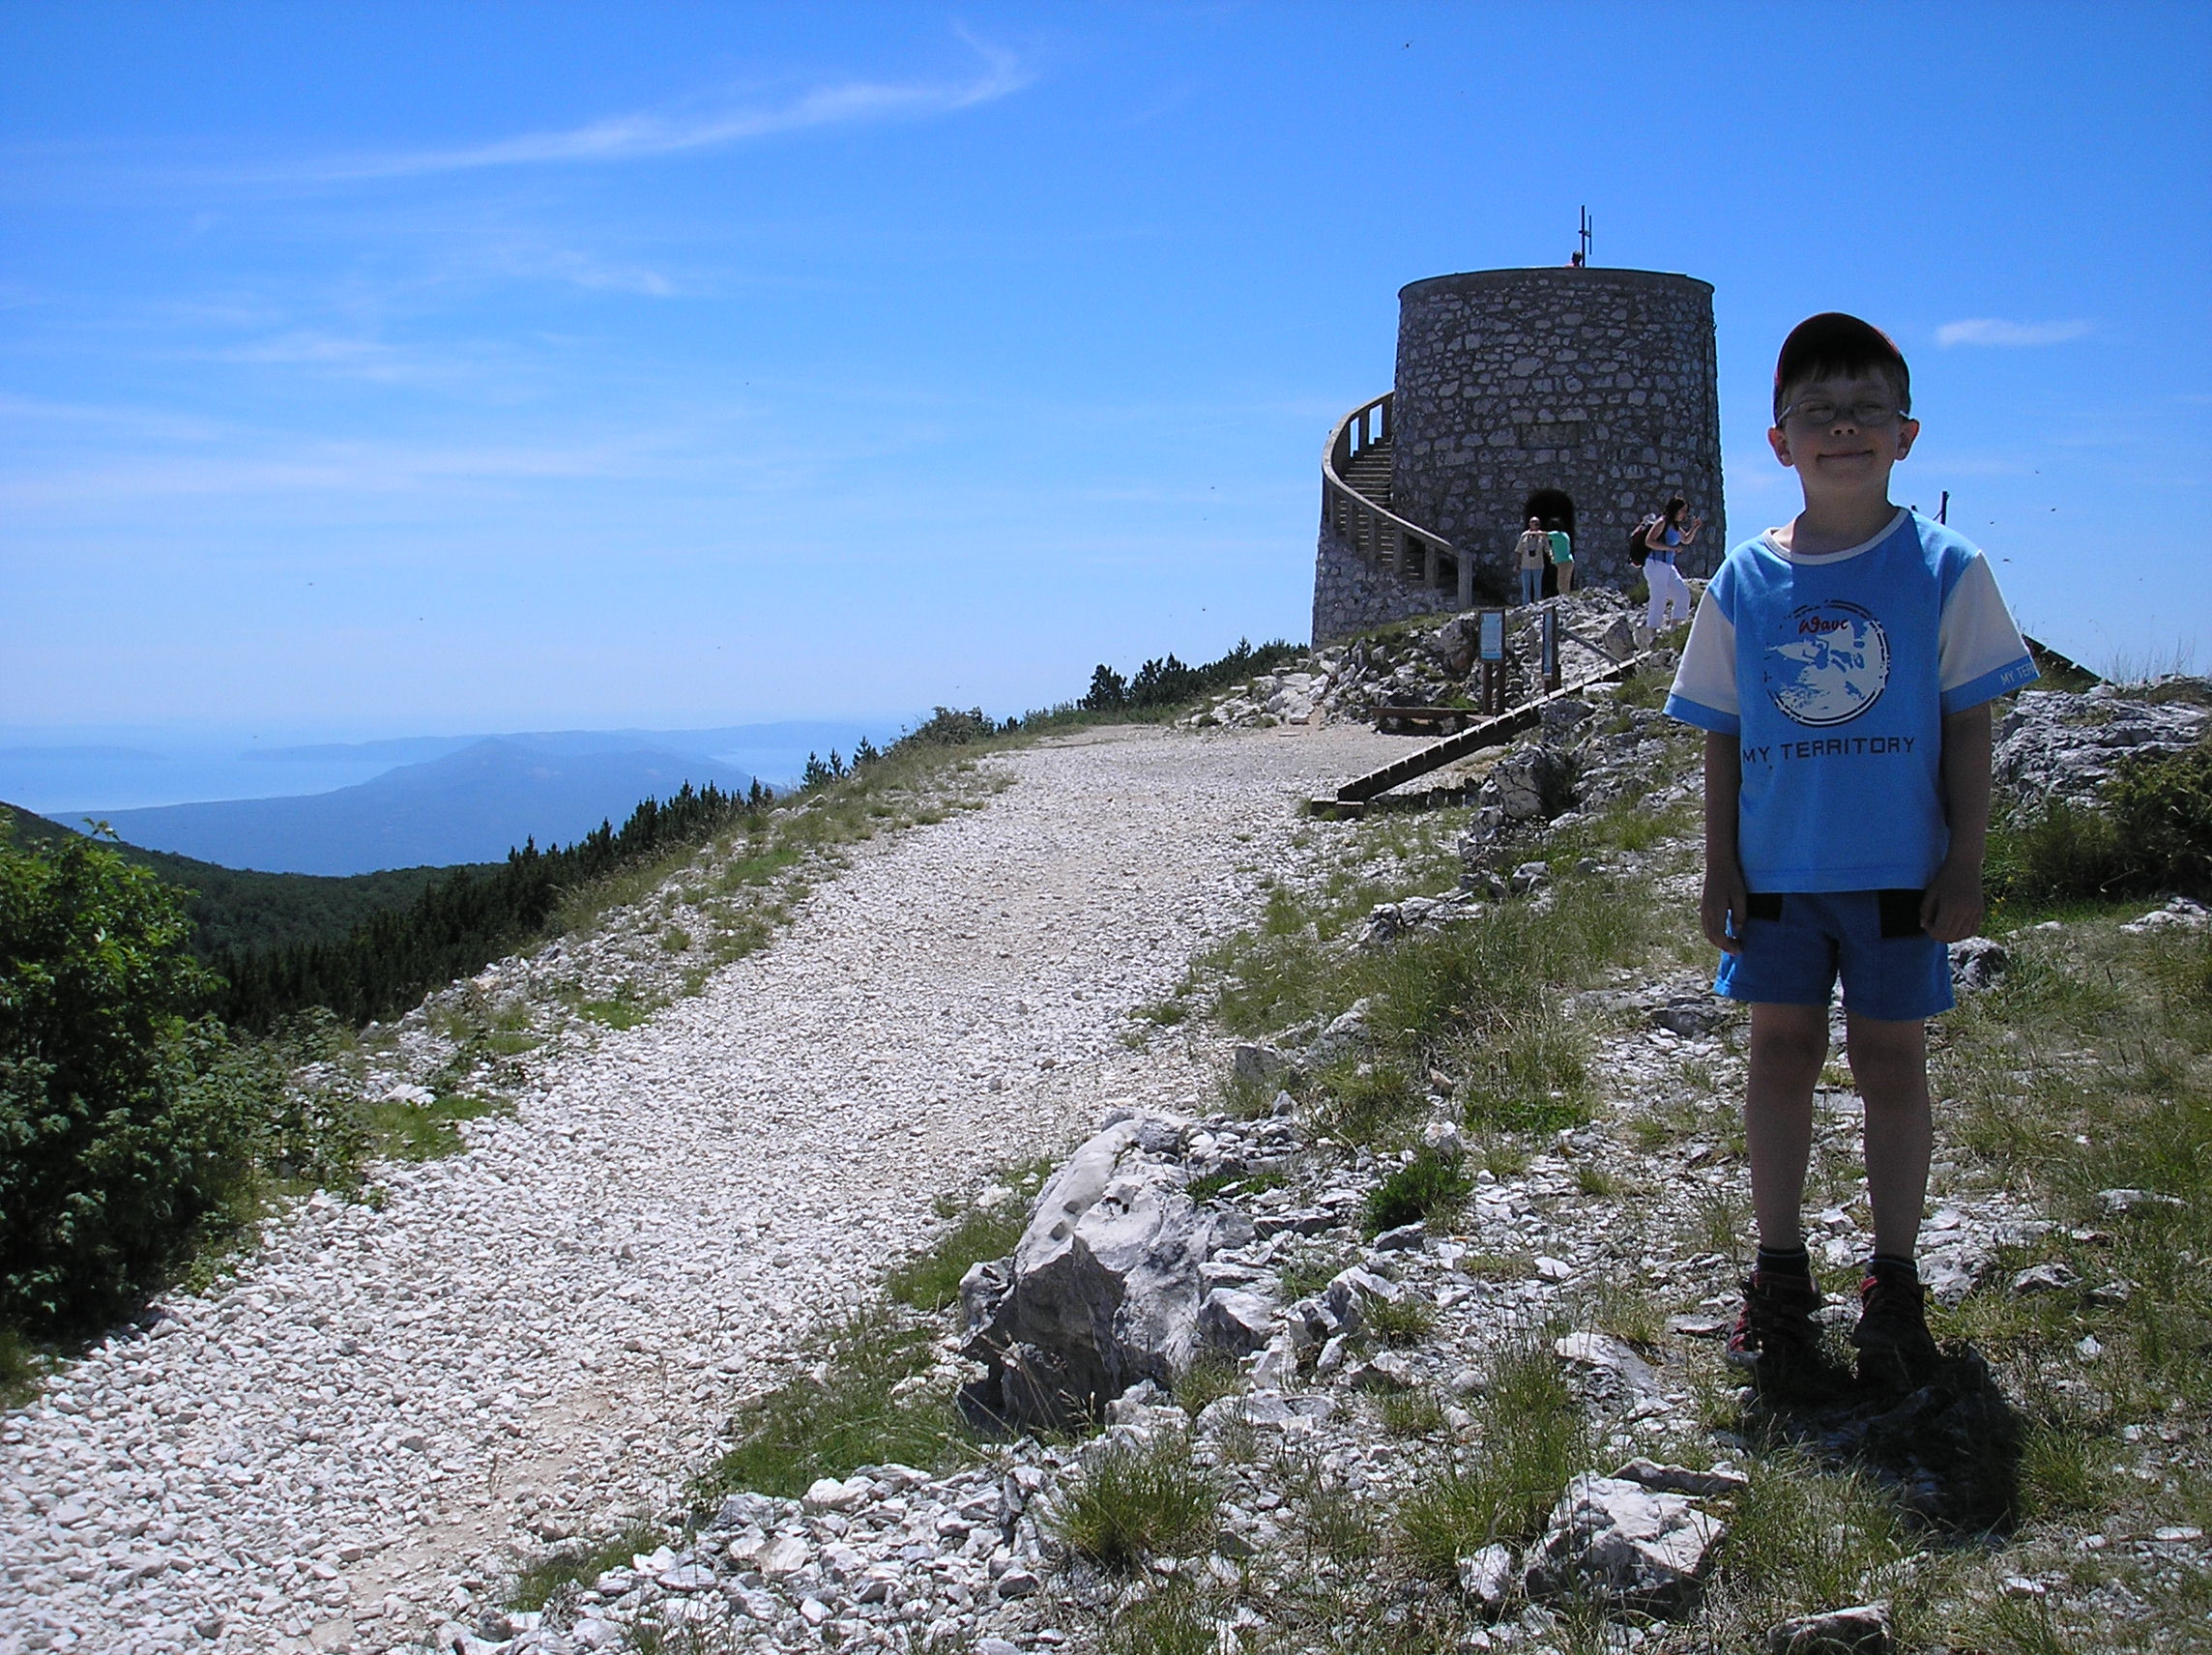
[{"x": 1828, "y": 748}]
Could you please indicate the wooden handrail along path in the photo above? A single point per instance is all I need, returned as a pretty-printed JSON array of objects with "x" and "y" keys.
[
  {"x": 1471, "y": 740},
  {"x": 1385, "y": 539}
]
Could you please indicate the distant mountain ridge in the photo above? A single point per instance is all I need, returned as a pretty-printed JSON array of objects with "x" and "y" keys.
[{"x": 472, "y": 805}]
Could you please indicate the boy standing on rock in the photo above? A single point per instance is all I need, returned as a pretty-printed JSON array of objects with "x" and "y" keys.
[{"x": 1842, "y": 668}]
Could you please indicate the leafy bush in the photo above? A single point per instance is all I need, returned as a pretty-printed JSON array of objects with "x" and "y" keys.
[
  {"x": 2154, "y": 834},
  {"x": 124, "y": 1123},
  {"x": 2162, "y": 806},
  {"x": 949, "y": 727}
]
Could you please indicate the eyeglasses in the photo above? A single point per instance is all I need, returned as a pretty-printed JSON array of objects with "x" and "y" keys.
[{"x": 1825, "y": 413}]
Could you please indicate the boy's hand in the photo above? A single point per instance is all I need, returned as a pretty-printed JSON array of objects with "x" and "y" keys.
[
  {"x": 1725, "y": 898},
  {"x": 1951, "y": 907}
]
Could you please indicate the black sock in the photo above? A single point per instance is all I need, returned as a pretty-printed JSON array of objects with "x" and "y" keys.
[
  {"x": 1792, "y": 1261},
  {"x": 1889, "y": 1263}
]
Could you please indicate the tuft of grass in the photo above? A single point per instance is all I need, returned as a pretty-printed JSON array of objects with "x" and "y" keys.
[
  {"x": 930, "y": 1280},
  {"x": 2064, "y": 1472},
  {"x": 21, "y": 1369},
  {"x": 1802, "y": 1539},
  {"x": 1177, "y": 1618},
  {"x": 1212, "y": 1184},
  {"x": 627, "y": 1008},
  {"x": 1532, "y": 1439},
  {"x": 536, "y": 1584},
  {"x": 1364, "y": 1102},
  {"x": 1430, "y": 1188},
  {"x": 1210, "y": 1377},
  {"x": 425, "y": 1132},
  {"x": 1330, "y": 1523},
  {"x": 1720, "y": 1219},
  {"x": 1629, "y": 1314},
  {"x": 1309, "y": 1269},
  {"x": 1410, "y": 1414},
  {"x": 1406, "y": 1322},
  {"x": 855, "y": 1401},
  {"x": 1594, "y": 1179},
  {"x": 1135, "y": 1502},
  {"x": 1528, "y": 1072}
]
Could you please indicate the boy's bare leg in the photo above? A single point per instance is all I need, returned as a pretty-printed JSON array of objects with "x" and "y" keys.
[
  {"x": 1889, "y": 1062},
  {"x": 1789, "y": 1043}
]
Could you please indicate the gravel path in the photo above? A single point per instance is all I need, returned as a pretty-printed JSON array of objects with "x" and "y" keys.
[{"x": 542, "y": 1335}]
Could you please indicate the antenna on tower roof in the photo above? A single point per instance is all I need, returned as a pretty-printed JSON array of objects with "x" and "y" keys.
[{"x": 1583, "y": 256}]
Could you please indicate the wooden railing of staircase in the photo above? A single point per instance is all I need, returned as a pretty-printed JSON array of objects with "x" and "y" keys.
[{"x": 1385, "y": 539}]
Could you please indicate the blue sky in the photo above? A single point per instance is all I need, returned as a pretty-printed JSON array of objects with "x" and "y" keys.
[{"x": 386, "y": 370}]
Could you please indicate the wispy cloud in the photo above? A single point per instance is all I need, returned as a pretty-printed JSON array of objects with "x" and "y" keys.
[
  {"x": 1995, "y": 331},
  {"x": 642, "y": 135}
]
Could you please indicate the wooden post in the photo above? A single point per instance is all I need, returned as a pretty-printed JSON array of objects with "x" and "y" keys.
[
  {"x": 1490, "y": 650},
  {"x": 1551, "y": 649}
]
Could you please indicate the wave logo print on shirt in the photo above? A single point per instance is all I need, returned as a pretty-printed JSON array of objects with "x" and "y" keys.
[{"x": 1830, "y": 665}]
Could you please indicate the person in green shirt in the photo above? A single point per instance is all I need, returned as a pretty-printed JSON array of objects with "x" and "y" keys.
[{"x": 1563, "y": 560}]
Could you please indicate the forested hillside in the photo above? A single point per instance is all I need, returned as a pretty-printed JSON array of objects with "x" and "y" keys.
[{"x": 237, "y": 909}]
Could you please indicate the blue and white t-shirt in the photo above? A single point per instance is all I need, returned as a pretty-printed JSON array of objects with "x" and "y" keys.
[{"x": 1835, "y": 673}]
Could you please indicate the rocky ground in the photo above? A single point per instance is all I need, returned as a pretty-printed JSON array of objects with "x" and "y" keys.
[
  {"x": 340, "y": 1446},
  {"x": 529, "y": 1350},
  {"x": 1428, "y": 663},
  {"x": 1300, "y": 1376}
]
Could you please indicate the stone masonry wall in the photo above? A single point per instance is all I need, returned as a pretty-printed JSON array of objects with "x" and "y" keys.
[
  {"x": 1599, "y": 383},
  {"x": 1350, "y": 595}
]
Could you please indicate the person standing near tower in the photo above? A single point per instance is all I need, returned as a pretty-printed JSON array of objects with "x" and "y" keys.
[
  {"x": 1563, "y": 558},
  {"x": 1531, "y": 551},
  {"x": 1667, "y": 534}
]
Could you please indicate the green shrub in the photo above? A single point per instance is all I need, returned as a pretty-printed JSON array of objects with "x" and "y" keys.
[
  {"x": 2162, "y": 804},
  {"x": 1431, "y": 1186},
  {"x": 2154, "y": 834},
  {"x": 124, "y": 1123}
]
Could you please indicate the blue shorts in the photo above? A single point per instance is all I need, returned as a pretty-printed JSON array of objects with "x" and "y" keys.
[{"x": 1794, "y": 960}]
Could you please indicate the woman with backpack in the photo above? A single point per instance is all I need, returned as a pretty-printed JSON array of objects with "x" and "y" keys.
[{"x": 1666, "y": 536}]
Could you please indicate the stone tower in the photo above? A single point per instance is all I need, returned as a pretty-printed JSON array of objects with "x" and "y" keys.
[{"x": 1581, "y": 395}]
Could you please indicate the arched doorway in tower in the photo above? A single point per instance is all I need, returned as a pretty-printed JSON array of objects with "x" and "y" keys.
[{"x": 1554, "y": 507}]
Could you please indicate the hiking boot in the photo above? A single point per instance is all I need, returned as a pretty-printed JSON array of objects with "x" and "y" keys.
[
  {"x": 1894, "y": 1345},
  {"x": 1775, "y": 1337}
]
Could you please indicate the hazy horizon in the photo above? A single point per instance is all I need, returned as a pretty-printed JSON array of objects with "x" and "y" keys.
[{"x": 102, "y": 768}]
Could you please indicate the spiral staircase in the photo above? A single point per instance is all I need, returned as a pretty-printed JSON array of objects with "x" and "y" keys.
[{"x": 1355, "y": 509}]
